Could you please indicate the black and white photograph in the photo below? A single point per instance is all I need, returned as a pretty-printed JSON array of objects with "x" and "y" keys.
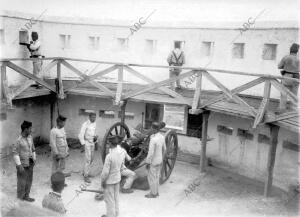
[{"x": 149, "y": 108}]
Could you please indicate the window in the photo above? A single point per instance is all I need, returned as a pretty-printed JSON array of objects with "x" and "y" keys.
[
  {"x": 207, "y": 48},
  {"x": 182, "y": 44},
  {"x": 238, "y": 50},
  {"x": 86, "y": 111},
  {"x": 122, "y": 43},
  {"x": 269, "y": 51},
  {"x": 150, "y": 46},
  {"x": 65, "y": 41},
  {"x": 128, "y": 115},
  {"x": 2, "y": 37},
  {"x": 194, "y": 125},
  {"x": 154, "y": 112},
  {"x": 94, "y": 42},
  {"x": 107, "y": 114}
]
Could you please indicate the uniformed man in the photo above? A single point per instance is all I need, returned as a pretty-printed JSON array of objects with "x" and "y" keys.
[
  {"x": 111, "y": 177},
  {"x": 35, "y": 50},
  {"x": 53, "y": 200},
  {"x": 157, "y": 148},
  {"x": 25, "y": 158},
  {"x": 176, "y": 58},
  {"x": 290, "y": 68},
  {"x": 59, "y": 145},
  {"x": 129, "y": 174},
  {"x": 88, "y": 137}
]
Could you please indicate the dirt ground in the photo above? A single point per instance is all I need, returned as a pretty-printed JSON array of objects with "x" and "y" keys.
[{"x": 217, "y": 193}]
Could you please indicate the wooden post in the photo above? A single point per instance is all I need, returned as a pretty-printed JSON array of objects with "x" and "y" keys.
[
  {"x": 123, "y": 111},
  {"x": 60, "y": 92},
  {"x": 120, "y": 85},
  {"x": 197, "y": 94},
  {"x": 205, "y": 116},
  {"x": 271, "y": 158},
  {"x": 4, "y": 85}
]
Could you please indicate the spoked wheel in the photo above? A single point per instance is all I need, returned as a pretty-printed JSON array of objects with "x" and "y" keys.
[
  {"x": 116, "y": 129},
  {"x": 170, "y": 156}
]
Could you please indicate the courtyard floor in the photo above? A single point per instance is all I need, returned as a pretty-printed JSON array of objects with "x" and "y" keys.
[{"x": 216, "y": 193}]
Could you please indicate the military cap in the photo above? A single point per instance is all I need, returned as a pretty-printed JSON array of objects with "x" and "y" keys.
[
  {"x": 115, "y": 139},
  {"x": 155, "y": 126},
  {"x": 61, "y": 118},
  {"x": 57, "y": 178},
  {"x": 162, "y": 125},
  {"x": 26, "y": 124}
]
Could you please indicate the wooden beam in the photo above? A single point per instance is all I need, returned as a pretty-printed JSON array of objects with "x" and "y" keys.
[
  {"x": 274, "y": 129},
  {"x": 264, "y": 104},
  {"x": 157, "y": 85},
  {"x": 48, "y": 67},
  {"x": 92, "y": 77},
  {"x": 60, "y": 90},
  {"x": 22, "y": 88},
  {"x": 163, "y": 89},
  {"x": 204, "y": 141},
  {"x": 197, "y": 94},
  {"x": 94, "y": 83},
  {"x": 234, "y": 91},
  {"x": 30, "y": 76},
  {"x": 123, "y": 109},
  {"x": 120, "y": 85},
  {"x": 228, "y": 93},
  {"x": 285, "y": 90},
  {"x": 286, "y": 115}
]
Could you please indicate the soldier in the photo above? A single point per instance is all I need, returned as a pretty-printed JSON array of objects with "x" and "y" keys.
[
  {"x": 25, "y": 158},
  {"x": 88, "y": 137},
  {"x": 53, "y": 200},
  {"x": 176, "y": 58},
  {"x": 59, "y": 145},
  {"x": 35, "y": 50},
  {"x": 157, "y": 148},
  {"x": 129, "y": 174},
  {"x": 290, "y": 66},
  {"x": 111, "y": 177}
]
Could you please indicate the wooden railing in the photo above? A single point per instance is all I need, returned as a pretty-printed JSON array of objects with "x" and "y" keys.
[{"x": 198, "y": 105}]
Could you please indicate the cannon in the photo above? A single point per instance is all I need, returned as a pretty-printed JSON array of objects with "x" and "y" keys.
[{"x": 138, "y": 151}]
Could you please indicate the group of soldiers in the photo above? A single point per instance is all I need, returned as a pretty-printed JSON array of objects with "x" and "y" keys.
[{"x": 113, "y": 169}]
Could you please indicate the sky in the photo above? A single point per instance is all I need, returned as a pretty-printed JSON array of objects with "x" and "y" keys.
[{"x": 164, "y": 10}]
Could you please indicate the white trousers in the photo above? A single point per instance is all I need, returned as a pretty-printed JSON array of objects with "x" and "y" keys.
[
  {"x": 130, "y": 177},
  {"x": 153, "y": 178},
  {"x": 111, "y": 198}
]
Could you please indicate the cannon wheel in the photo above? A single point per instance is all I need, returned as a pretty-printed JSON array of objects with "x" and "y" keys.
[
  {"x": 170, "y": 156},
  {"x": 116, "y": 129}
]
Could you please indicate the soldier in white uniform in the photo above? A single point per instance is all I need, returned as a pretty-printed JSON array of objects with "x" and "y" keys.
[
  {"x": 111, "y": 177},
  {"x": 88, "y": 137},
  {"x": 157, "y": 148},
  {"x": 59, "y": 145}
]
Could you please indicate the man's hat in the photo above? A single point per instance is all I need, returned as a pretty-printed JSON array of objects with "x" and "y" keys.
[
  {"x": 57, "y": 178},
  {"x": 155, "y": 126},
  {"x": 61, "y": 118},
  {"x": 26, "y": 124},
  {"x": 115, "y": 139},
  {"x": 162, "y": 125}
]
